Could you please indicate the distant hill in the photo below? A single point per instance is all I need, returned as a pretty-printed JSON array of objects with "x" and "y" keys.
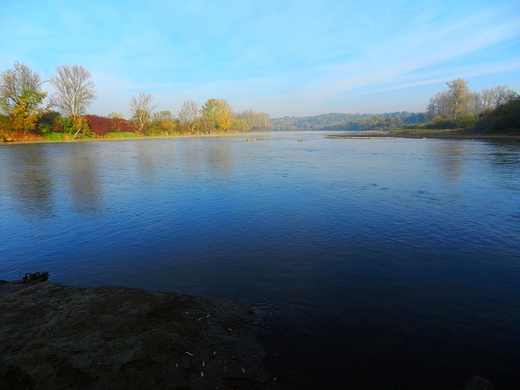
[{"x": 354, "y": 122}]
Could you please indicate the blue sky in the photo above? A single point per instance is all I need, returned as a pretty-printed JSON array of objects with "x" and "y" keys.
[{"x": 281, "y": 57}]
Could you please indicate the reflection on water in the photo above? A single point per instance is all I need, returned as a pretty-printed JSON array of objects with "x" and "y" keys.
[
  {"x": 386, "y": 262},
  {"x": 146, "y": 160},
  {"x": 219, "y": 159},
  {"x": 449, "y": 157},
  {"x": 28, "y": 179},
  {"x": 80, "y": 162}
]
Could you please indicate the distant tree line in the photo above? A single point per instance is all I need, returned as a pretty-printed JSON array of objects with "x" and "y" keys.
[
  {"x": 354, "y": 122},
  {"x": 24, "y": 114},
  {"x": 491, "y": 110}
]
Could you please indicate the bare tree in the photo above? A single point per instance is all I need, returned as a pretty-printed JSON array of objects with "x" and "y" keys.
[
  {"x": 258, "y": 121},
  {"x": 141, "y": 110},
  {"x": 476, "y": 103},
  {"x": 501, "y": 94},
  {"x": 439, "y": 105},
  {"x": 189, "y": 114},
  {"x": 74, "y": 92},
  {"x": 487, "y": 99},
  {"x": 490, "y": 98}
]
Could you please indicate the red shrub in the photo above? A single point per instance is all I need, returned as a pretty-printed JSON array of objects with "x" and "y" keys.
[
  {"x": 100, "y": 125},
  {"x": 58, "y": 128},
  {"x": 124, "y": 126}
]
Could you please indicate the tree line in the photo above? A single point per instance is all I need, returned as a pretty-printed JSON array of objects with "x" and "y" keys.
[
  {"x": 458, "y": 100},
  {"x": 491, "y": 110},
  {"x": 354, "y": 122},
  {"x": 459, "y": 107},
  {"x": 24, "y": 110}
]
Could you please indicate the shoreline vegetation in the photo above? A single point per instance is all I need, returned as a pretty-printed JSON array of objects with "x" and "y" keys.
[
  {"x": 54, "y": 336},
  {"x": 28, "y": 114},
  {"x": 459, "y": 134},
  {"x": 40, "y": 140},
  {"x": 425, "y": 134}
]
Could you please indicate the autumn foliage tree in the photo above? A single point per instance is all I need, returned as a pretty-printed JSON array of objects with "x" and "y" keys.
[
  {"x": 458, "y": 101},
  {"x": 164, "y": 122},
  {"x": 121, "y": 124},
  {"x": 217, "y": 115},
  {"x": 21, "y": 97}
]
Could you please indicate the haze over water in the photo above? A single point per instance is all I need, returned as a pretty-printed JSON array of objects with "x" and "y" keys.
[{"x": 389, "y": 262}]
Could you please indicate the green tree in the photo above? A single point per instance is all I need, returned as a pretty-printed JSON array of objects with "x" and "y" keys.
[
  {"x": 47, "y": 123},
  {"x": 74, "y": 93},
  {"x": 21, "y": 96},
  {"x": 503, "y": 119}
]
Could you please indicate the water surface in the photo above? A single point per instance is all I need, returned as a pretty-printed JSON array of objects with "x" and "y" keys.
[{"x": 380, "y": 262}]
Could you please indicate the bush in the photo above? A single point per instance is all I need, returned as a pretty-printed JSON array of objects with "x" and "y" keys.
[
  {"x": 100, "y": 125},
  {"x": 504, "y": 119},
  {"x": 124, "y": 126},
  {"x": 461, "y": 122},
  {"x": 48, "y": 122},
  {"x": 153, "y": 130},
  {"x": 64, "y": 125}
]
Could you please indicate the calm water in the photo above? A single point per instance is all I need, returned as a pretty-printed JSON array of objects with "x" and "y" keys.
[{"x": 387, "y": 262}]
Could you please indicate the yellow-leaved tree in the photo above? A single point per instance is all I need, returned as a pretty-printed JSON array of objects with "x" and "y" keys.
[
  {"x": 21, "y": 96},
  {"x": 217, "y": 115}
]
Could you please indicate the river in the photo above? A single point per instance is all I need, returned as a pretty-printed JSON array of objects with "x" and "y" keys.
[{"x": 385, "y": 262}]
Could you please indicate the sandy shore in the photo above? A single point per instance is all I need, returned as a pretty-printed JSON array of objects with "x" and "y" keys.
[{"x": 59, "y": 337}]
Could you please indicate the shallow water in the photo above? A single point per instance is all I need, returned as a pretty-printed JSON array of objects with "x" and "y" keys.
[{"x": 379, "y": 262}]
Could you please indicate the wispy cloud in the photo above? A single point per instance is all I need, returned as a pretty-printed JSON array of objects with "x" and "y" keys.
[{"x": 291, "y": 57}]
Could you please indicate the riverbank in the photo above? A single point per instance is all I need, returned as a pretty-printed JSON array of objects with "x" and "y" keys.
[
  {"x": 8, "y": 140},
  {"x": 60, "y": 337},
  {"x": 420, "y": 134}
]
